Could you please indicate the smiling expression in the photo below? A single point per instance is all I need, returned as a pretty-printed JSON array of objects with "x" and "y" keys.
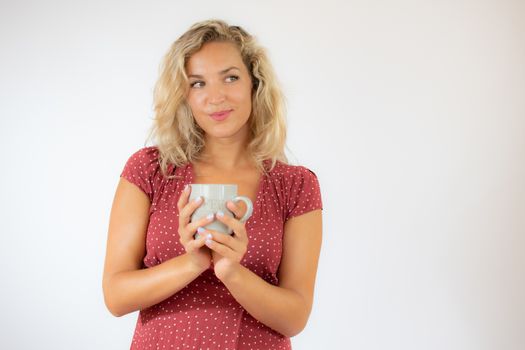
[{"x": 220, "y": 90}]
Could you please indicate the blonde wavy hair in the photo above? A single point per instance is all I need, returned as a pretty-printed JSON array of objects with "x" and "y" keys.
[{"x": 178, "y": 137}]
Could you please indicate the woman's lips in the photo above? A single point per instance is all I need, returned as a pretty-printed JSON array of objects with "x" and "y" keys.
[{"x": 219, "y": 116}]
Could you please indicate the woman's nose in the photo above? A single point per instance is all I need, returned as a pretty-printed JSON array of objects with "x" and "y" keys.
[{"x": 216, "y": 94}]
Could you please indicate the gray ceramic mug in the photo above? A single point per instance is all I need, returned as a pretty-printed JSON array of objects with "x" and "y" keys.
[{"x": 215, "y": 197}]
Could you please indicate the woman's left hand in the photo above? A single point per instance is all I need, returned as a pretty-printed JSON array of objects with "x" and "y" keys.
[{"x": 228, "y": 250}]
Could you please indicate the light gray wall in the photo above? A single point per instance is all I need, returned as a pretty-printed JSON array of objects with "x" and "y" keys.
[{"x": 412, "y": 114}]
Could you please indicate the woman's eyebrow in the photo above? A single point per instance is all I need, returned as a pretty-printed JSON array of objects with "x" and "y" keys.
[
  {"x": 228, "y": 69},
  {"x": 224, "y": 71}
]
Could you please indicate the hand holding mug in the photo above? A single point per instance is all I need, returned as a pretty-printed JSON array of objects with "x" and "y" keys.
[
  {"x": 226, "y": 236},
  {"x": 195, "y": 248},
  {"x": 227, "y": 250}
]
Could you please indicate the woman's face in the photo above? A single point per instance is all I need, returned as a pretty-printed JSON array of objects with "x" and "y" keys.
[{"x": 220, "y": 91}]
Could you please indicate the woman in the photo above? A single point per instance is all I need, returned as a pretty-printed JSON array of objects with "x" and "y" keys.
[{"x": 219, "y": 118}]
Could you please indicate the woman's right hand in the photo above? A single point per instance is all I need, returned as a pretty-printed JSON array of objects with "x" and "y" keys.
[{"x": 200, "y": 254}]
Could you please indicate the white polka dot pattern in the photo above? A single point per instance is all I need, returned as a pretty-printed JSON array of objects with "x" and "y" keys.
[{"x": 204, "y": 314}]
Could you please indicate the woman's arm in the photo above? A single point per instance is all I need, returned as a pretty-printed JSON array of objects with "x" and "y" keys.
[
  {"x": 284, "y": 308},
  {"x": 126, "y": 286}
]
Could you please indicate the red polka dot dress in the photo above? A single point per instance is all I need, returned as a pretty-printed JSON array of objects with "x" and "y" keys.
[{"x": 204, "y": 314}]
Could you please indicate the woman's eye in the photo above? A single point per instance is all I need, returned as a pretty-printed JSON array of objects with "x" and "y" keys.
[
  {"x": 197, "y": 84},
  {"x": 232, "y": 78}
]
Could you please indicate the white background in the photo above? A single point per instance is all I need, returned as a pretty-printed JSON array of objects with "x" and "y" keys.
[{"x": 412, "y": 114}]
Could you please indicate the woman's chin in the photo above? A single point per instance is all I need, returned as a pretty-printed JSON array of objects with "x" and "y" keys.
[{"x": 225, "y": 133}]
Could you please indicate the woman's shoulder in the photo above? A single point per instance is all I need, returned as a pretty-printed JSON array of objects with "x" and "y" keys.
[
  {"x": 299, "y": 186},
  {"x": 148, "y": 153},
  {"x": 142, "y": 169},
  {"x": 291, "y": 171},
  {"x": 146, "y": 159}
]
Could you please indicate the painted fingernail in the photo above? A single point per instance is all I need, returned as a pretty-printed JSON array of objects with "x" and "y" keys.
[
  {"x": 220, "y": 214},
  {"x": 209, "y": 236},
  {"x": 198, "y": 199},
  {"x": 210, "y": 216},
  {"x": 200, "y": 230}
]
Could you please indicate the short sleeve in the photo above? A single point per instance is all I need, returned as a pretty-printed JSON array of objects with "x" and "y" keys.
[
  {"x": 141, "y": 168},
  {"x": 304, "y": 193}
]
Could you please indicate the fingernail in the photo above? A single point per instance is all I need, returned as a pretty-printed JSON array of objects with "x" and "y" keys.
[
  {"x": 200, "y": 230},
  {"x": 209, "y": 236},
  {"x": 198, "y": 199},
  {"x": 220, "y": 214},
  {"x": 210, "y": 216},
  {"x": 186, "y": 187},
  {"x": 208, "y": 242}
]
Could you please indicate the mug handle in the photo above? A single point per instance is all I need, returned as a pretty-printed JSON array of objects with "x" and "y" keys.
[{"x": 249, "y": 207}]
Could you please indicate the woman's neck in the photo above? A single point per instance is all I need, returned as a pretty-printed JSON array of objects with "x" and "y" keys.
[{"x": 226, "y": 153}]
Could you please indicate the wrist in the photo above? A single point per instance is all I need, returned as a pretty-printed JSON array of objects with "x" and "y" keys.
[
  {"x": 192, "y": 266},
  {"x": 232, "y": 275}
]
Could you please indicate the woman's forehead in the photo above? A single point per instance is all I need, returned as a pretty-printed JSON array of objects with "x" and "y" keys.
[{"x": 214, "y": 58}]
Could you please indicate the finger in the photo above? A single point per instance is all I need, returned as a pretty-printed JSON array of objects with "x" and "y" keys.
[
  {"x": 220, "y": 248},
  {"x": 187, "y": 232},
  {"x": 231, "y": 242},
  {"x": 195, "y": 244},
  {"x": 236, "y": 210},
  {"x": 193, "y": 226},
  {"x": 237, "y": 226},
  {"x": 201, "y": 232},
  {"x": 188, "y": 209},
  {"x": 190, "y": 231},
  {"x": 183, "y": 199}
]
